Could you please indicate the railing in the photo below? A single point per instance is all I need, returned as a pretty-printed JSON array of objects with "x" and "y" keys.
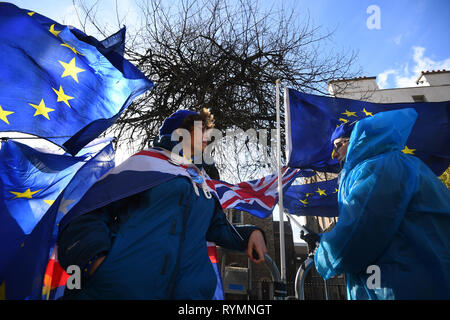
[
  {"x": 280, "y": 292},
  {"x": 300, "y": 278},
  {"x": 279, "y": 288},
  {"x": 312, "y": 239}
]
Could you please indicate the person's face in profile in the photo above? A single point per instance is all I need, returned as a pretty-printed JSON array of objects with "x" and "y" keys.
[{"x": 340, "y": 148}]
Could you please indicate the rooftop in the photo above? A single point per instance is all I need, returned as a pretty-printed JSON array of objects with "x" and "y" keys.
[{"x": 353, "y": 79}]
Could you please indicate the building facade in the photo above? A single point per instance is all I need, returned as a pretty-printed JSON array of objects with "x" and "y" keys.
[{"x": 431, "y": 86}]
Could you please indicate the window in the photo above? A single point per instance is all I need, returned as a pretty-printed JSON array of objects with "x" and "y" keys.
[
  {"x": 237, "y": 217},
  {"x": 420, "y": 98}
]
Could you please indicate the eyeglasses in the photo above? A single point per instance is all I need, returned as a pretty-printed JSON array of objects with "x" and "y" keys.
[{"x": 340, "y": 144}]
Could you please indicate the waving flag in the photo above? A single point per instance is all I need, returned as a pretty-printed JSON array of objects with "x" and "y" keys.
[
  {"x": 36, "y": 190},
  {"x": 31, "y": 181},
  {"x": 55, "y": 278},
  {"x": 314, "y": 199},
  {"x": 149, "y": 168},
  {"x": 59, "y": 84},
  {"x": 312, "y": 119},
  {"x": 257, "y": 197}
]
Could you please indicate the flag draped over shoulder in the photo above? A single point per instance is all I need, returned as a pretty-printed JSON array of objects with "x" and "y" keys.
[
  {"x": 36, "y": 190},
  {"x": 60, "y": 84},
  {"x": 312, "y": 119},
  {"x": 149, "y": 168},
  {"x": 314, "y": 199}
]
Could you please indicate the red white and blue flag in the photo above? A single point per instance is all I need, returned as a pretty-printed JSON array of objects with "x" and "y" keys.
[
  {"x": 149, "y": 168},
  {"x": 257, "y": 197}
]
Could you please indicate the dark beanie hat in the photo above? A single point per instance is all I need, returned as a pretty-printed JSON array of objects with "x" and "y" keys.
[
  {"x": 343, "y": 131},
  {"x": 174, "y": 121}
]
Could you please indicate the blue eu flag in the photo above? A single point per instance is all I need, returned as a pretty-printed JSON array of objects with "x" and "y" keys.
[
  {"x": 312, "y": 119},
  {"x": 36, "y": 190},
  {"x": 314, "y": 199},
  {"x": 58, "y": 83}
]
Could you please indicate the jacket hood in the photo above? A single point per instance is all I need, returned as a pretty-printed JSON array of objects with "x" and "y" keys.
[{"x": 384, "y": 132}]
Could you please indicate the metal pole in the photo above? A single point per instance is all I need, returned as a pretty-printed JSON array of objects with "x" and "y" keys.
[
  {"x": 291, "y": 219},
  {"x": 280, "y": 189}
]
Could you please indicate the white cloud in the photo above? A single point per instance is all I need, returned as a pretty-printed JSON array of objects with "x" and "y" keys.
[
  {"x": 403, "y": 77},
  {"x": 383, "y": 77}
]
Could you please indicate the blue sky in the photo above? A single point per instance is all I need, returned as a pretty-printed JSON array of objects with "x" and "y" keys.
[{"x": 413, "y": 35}]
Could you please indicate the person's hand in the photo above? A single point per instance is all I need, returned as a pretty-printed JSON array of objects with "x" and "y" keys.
[
  {"x": 95, "y": 265},
  {"x": 256, "y": 243}
]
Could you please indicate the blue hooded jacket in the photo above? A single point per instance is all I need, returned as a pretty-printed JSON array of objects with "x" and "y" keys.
[
  {"x": 154, "y": 242},
  {"x": 394, "y": 214}
]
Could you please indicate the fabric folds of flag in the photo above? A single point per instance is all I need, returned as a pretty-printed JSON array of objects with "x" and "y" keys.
[
  {"x": 59, "y": 84},
  {"x": 312, "y": 119},
  {"x": 257, "y": 197},
  {"x": 36, "y": 190},
  {"x": 149, "y": 168},
  {"x": 55, "y": 278},
  {"x": 314, "y": 199}
]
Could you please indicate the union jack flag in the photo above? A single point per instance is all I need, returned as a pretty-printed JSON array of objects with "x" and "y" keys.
[{"x": 257, "y": 197}]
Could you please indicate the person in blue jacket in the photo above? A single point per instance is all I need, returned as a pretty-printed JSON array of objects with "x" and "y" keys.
[
  {"x": 392, "y": 238},
  {"x": 152, "y": 245}
]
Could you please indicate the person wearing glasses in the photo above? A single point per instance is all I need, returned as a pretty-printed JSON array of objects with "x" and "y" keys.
[{"x": 392, "y": 236}]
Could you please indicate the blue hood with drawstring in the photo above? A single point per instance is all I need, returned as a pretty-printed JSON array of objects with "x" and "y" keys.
[{"x": 392, "y": 239}]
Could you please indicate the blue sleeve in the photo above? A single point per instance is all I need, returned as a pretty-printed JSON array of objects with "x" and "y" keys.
[
  {"x": 84, "y": 238},
  {"x": 224, "y": 234},
  {"x": 372, "y": 202}
]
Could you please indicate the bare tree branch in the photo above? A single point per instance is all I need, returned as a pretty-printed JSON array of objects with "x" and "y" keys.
[{"x": 225, "y": 56}]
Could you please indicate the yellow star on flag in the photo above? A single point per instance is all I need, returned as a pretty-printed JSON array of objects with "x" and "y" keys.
[
  {"x": 407, "y": 150},
  {"x": 309, "y": 194},
  {"x": 4, "y": 114},
  {"x": 349, "y": 113},
  {"x": 31, "y": 13},
  {"x": 70, "y": 69},
  {"x": 27, "y": 194},
  {"x": 367, "y": 112},
  {"x": 321, "y": 192},
  {"x": 72, "y": 48},
  {"x": 336, "y": 190},
  {"x": 49, "y": 202},
  {"x": 303, "y": 201},
  {"x": 41, "y": 109},
  {"x": 343, "y": 120},
  {"x": 62, "y": 96},
  {"x": 53, "y": 31}
]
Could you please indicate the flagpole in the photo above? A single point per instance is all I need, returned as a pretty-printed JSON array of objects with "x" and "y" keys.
[{"x": 280, "y": 190}]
